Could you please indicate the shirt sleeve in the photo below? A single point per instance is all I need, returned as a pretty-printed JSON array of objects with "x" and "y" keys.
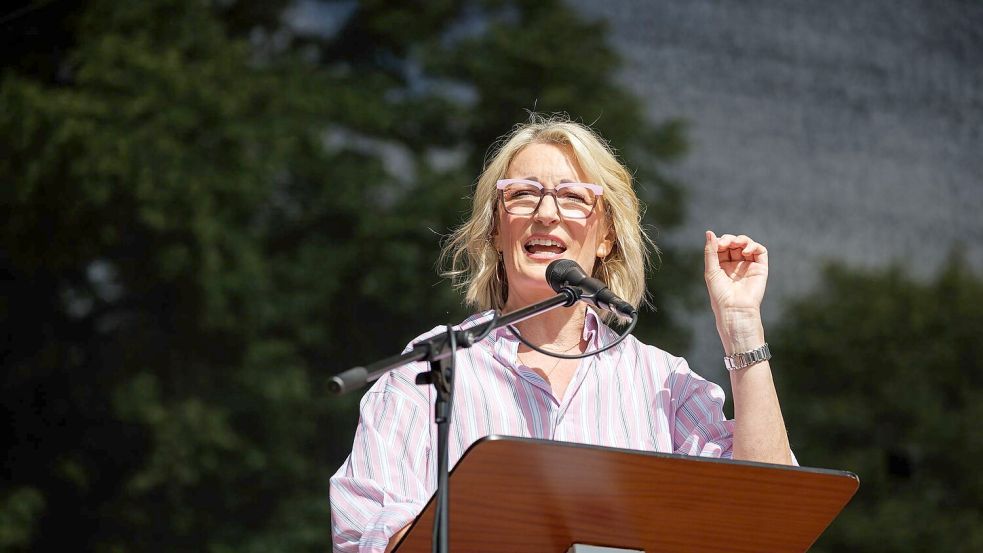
[
  {"x": 699, "y": 426},
  {"x": 385, "y": 483}
]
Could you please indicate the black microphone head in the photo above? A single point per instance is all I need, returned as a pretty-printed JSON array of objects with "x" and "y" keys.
[{"x": 564, "y": 272}]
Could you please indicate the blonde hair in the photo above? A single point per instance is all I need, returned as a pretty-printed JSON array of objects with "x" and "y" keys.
[{"x": 474, "y": 263}]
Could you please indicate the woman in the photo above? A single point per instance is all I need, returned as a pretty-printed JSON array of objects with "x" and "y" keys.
[{"x": 552, "y": 190}]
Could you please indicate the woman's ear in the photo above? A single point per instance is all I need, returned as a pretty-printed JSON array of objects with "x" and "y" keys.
[{"x": 606, "y": 246}]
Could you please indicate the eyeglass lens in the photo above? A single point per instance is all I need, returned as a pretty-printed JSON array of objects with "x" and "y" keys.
[{"x": 575, "y": 202}]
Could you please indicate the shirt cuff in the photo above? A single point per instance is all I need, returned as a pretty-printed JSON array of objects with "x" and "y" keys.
[{"x": 384, "y": 525}]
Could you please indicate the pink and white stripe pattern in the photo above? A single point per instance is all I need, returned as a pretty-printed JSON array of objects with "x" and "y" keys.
[{"x": 634, "y": 396}]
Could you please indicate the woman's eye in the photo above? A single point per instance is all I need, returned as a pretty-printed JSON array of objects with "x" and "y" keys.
[{"x": 573, "y": 196}]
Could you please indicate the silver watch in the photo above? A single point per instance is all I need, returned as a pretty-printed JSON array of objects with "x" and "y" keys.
[{"x": 747, "y": 358}]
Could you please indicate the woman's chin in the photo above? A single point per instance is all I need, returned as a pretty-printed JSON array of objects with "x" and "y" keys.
[{"x": 530, "y": 285}]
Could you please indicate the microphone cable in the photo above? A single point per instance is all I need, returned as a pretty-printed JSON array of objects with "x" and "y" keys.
[{"x": 627, "y": 331}]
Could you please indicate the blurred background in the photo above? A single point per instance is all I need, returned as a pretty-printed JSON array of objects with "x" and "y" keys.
[{"x": 209, "y": 208}]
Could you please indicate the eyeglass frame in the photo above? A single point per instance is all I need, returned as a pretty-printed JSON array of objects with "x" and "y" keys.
[{"x": 503, "y": 183}]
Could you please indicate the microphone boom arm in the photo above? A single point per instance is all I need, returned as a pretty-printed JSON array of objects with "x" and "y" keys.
[{"x": 435, "y": 348}]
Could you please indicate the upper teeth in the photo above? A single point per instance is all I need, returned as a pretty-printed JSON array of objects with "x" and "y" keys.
[{"x": 544, "y": 242}]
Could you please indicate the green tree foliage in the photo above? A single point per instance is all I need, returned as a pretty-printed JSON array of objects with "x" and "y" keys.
[
  {"x": 885, "y": 379},
  {"x": 207, "y": 209}
]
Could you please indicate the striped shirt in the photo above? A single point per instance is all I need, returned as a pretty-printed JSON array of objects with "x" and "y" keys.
[{"x": 633, "y": 396}]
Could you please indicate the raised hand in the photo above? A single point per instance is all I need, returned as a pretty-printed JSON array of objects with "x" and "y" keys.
[{"x": 736, "y": 273}]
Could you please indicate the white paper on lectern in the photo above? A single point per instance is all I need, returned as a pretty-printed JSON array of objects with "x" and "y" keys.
[{"x": 582, "y": 548}]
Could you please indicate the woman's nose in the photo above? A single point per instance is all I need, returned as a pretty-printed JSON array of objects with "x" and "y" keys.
[{"x": 549, "y": 210}]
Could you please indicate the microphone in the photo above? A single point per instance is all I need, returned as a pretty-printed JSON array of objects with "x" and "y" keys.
[{"x": 566, "y": 272}]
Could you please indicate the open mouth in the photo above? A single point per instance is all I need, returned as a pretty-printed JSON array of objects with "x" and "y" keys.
[{"x": 544, "y": 247}]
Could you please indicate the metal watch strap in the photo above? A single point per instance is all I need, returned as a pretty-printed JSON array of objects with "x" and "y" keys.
[{"x": 747, "y": 358}]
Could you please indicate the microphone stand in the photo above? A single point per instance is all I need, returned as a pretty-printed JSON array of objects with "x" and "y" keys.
[{"x": 439, "y": 352}]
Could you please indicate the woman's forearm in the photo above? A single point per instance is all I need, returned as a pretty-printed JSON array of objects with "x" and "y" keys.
[{"x": 759, "y": 428}]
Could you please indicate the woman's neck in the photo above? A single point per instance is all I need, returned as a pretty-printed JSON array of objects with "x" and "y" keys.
[{"x": 556, "y": 330}]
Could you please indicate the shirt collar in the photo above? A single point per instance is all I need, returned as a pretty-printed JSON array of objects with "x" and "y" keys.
[{"x": 592, "y": 323}]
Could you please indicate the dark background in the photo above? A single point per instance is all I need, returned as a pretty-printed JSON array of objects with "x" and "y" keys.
[{"x": 209, "y": 208}]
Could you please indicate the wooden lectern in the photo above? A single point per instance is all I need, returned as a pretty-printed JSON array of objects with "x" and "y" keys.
[{"x": 517, "y": 495}]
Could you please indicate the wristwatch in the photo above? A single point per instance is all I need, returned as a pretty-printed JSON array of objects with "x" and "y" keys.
[{"x": 747, "y": 358}]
